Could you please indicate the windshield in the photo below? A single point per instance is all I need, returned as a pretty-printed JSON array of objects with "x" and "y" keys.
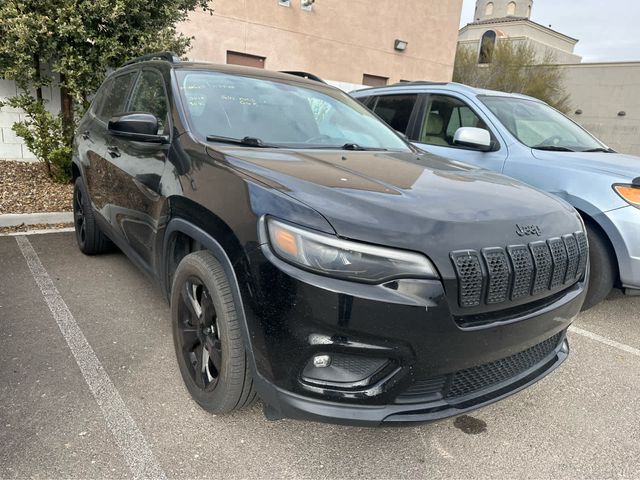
[
  {"x": 539, "y": 126},
  {"x": 281, "y": 114}
]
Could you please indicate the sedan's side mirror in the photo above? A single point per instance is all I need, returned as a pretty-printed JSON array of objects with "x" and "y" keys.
[
  {"x": 137, "y": 126},
  {"x": 471, "y": 137}
]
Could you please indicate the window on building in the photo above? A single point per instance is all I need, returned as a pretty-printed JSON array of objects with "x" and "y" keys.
[
  {"x": 245, "y": 59},
  {"x": 374, "y": 80},
  {"x": 487, "y": 46},
  {"x": 149, "y": 96},
  {"x": 511, "y": 8},
  {"x": 489, "y": 9},
  {"x": 396, "y": 110}
]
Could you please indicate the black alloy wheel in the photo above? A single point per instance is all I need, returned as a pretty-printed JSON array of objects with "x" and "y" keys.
[
  {"x": 207, "y": 335},
  {"x": 90, "y": 238},
  {"x": 78, "y": 217},
  {"x": 198, "y": 331}
]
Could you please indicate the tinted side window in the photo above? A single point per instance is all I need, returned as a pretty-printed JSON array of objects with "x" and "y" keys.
[
  {"x": 149, "y": 97},
  {"x": 444, "y": 115},
  {"x": 396, "y": 110},
  {"x": 366, "y": 101},
  {"x": 114, "y": 97}
]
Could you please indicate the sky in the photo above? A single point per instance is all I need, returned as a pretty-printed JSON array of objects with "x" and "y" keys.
[{"x": 608, "y": 30}]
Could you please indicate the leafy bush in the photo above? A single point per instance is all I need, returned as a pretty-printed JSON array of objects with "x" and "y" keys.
[
  {"x": 43, "y": 134},
  {"x": 72, "y": 44},
  {"x": 514, "y": 68}
]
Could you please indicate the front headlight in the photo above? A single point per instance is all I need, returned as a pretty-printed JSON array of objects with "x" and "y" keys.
[
  {"x": 630, "y": 193},
  {"x": 345, "y": 259}
]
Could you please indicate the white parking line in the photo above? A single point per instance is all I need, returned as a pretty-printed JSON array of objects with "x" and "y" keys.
[
  {"x": 129, "y": 438},
  {"x": 605, "y": 340}
]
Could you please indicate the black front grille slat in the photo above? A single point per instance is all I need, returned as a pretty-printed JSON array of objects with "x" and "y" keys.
[
  {"x": 470, "y": 277},
  {"x": 522, "y": 265},
  {"x": 475, "y": 380},
  {"x": 559, "y": 256},
  {"x": 497, "y": 275},
  {"x": 543, "y": 265},
  {"x": 574, "y": 256},
  {"x": 583, "y": 248}
]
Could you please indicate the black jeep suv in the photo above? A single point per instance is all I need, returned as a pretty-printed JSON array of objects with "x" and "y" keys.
[{"x": 314, "y": 258}]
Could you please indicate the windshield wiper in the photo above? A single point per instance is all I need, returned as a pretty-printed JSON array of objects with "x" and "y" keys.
[
  {"x": 246, "y": 141},
  {"x": 553, "y": 148},
  {"x": 356, "y": 147},
  {"x": 599, "y": 149}
]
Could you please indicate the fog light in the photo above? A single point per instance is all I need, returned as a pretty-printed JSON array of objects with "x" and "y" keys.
[
  {"x": 321, "y": 361},
  {"x": 343, "y": 371}
]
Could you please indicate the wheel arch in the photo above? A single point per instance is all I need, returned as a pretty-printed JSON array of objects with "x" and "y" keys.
[
  {"x": 190, "y": 228},
  {"x": 606, "y": 230},
  {"x": 206, "y": 231}
]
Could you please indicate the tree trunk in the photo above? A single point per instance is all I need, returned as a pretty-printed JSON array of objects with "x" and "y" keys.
[
  {"x": 66, "y": 106},
  {"x": 36, "y": 66}
]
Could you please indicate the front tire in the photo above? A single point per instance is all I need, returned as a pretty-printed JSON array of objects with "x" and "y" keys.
[
  {"x": 604, "y": 271},
  {"x": 207, "y": 336},
  {"x": 90, "y": 238}
]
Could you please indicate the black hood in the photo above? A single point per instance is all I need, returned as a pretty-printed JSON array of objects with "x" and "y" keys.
[{"x": 413, "y": 201}]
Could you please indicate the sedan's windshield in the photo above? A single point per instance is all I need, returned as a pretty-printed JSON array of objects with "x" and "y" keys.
[
  {"x": 252, "y": 111},
  {"x": 539, "y": 126}
]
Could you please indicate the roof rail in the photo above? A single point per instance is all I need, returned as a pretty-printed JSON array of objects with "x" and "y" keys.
[
  {"x": 166, "y": 56},
  {"x": 419, "y": 82},
  {"x": 308, "y": 76}
]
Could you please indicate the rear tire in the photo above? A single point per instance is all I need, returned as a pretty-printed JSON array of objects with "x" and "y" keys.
[
  {"x": 90, "y": 238},
  {"x": 604, "y": 270},
  {"x": 207, "y": 336}
]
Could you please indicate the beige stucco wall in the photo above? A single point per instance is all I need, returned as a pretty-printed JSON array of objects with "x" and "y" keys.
[
  {"x": 338, "y": 40},
  {"x": 601, "y": 90}
]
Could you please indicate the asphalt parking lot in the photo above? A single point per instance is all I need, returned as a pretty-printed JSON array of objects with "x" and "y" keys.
[{"x": 101, "y": 395}]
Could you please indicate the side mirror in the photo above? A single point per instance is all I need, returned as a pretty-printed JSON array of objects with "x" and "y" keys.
[
  {"x": 139, "y": 127},
  {"x": 471, "y": 137}
]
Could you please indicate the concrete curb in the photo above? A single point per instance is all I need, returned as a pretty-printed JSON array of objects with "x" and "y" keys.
[
  {"x": 38, "y": 232},
  {"x": 14, "y": 219}
]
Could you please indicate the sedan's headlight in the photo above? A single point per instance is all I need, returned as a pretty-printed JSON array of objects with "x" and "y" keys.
[
  {"x": 345, "y": 259},
  {"x": 630, "y": 193}
]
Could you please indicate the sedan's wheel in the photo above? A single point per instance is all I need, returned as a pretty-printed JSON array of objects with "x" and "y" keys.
[
  {"x": 90, "y": 238},
  {"x": 604, "y": 269},
  {"x": 207, "y": 336}
]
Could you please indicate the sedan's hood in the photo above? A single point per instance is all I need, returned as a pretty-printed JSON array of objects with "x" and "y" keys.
[
  {"x": 407, "y": 200},
  {"x": 627, "y": 167}
]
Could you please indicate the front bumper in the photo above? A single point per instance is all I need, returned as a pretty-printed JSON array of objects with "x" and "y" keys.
[
  {"x": 622, "y": 228},
  {"x": 425, "y": 366}
]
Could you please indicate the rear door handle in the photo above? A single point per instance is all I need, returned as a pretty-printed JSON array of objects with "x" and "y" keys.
[{"x": 113, "y": 151}]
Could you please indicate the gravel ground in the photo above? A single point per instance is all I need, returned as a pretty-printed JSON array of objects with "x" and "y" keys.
[{"x": 25, "y": 188}]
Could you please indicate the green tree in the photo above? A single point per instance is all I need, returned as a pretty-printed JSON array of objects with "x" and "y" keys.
[
  {"x": 72, "y": 44},
  {"x": 515, "y": 68}
]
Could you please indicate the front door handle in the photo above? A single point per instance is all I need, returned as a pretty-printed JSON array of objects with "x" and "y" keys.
[{"x": 113, "y": 151}]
